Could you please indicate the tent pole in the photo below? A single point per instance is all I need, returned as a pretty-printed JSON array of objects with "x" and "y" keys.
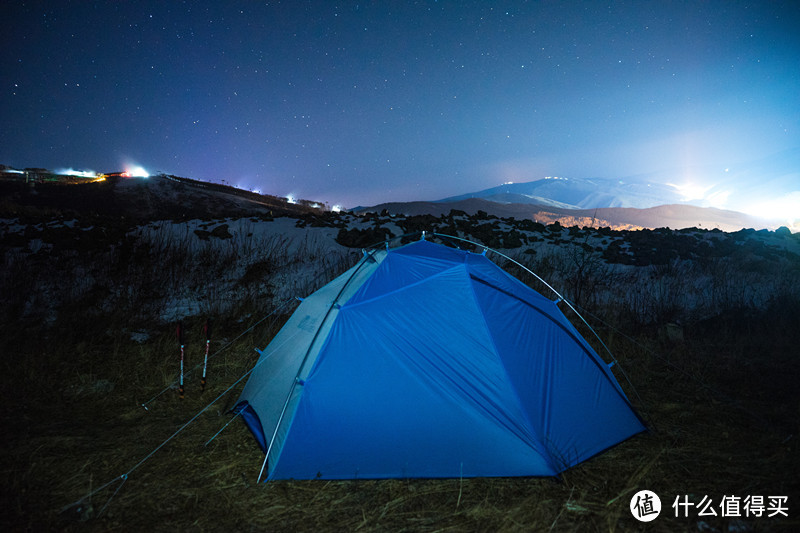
[
  {"x": 263, "y": 465},
  {"x": 569, "y": 304},
  {"x": 297, "y": 379}
]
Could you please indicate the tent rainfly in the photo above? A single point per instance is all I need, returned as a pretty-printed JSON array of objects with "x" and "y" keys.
[{"x": 426, "y": 361}]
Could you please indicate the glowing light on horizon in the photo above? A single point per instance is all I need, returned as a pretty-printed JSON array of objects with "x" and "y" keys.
[
  {"x": 336, "y": 208},
  {"x": 786, "y": 208},
  {"x": 78, "y": 173},
  {"x": 718, "y": 199},
  {"x": 291, "y": 199},
  {"x": 136, "y": 171},
  {"x": 691, "y": 191}
]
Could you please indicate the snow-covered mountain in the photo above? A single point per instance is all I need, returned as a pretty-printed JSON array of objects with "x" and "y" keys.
[
  {"x": 768, "y": 187},
  {"x": 578, "y": 193}
]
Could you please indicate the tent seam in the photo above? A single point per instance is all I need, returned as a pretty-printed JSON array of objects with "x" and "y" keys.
[
  {"x": 403, "y": 288},
  {"x": 572, "y": 333},
  {"x": 538, "y": 445}
]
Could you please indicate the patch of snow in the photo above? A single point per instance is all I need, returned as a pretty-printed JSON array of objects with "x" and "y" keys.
[
  {"x": 35, "y": 245},
  {"x": 180, "y": 307},
  {"x": 140, "y": 336}
]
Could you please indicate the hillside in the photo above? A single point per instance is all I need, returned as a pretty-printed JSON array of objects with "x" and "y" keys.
[{"x": 156, "y": 197}]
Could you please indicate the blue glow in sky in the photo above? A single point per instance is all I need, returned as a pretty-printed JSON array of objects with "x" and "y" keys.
[{"x": 365, "y": 102}]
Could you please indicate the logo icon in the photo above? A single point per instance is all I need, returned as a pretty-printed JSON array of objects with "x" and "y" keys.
[{"x": 645, "y": 505}]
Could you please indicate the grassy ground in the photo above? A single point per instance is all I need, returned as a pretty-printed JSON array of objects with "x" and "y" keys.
[
  {"x": 723, "y": 408},
  {"x": 722, "y": 405}
]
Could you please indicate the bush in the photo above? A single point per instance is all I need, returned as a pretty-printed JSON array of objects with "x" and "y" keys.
[{"x": 363, "y": 238}]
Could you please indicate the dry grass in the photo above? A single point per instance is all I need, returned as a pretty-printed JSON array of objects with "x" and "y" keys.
[{"x": 722, "y": 405}]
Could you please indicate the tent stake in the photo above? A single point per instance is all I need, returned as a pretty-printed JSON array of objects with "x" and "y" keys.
[
  {"x": 207, "y": 330},
  {"x": 180, "y": 341}
]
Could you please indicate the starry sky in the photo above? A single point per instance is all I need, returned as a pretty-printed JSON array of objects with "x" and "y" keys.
[{"x": 357, "y": 103}]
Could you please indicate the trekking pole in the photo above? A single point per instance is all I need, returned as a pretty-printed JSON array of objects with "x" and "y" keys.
[
  {"x": 180, "y": 341},
  {"x": 207, "y": 330}
]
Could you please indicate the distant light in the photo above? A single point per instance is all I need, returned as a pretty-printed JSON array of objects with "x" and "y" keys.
[
  {"x": 508, "y": 182},
  {"x": 690, "y": 191},
  {"x": 336, "y": 208},
  {"x": 136, "y": 172},
  {"x": 257, "y": 191},
  {"x": 718, "y": 199},
  {"x": 78, "y": 173},
  {"x": 786, "y": 209},
  {"x": 291, "y": 199}
]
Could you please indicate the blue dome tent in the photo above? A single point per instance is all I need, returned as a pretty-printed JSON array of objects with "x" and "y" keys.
[{"x": 426, "y": 361}]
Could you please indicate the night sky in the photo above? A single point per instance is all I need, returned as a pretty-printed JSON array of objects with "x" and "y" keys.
[{"x": 363, "y": 102}]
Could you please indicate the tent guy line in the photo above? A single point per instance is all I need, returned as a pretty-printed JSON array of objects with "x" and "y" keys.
[
  {"x": 211, "y": 357},
  {"x": 721, "y": 395},
  {"x": 124, "y": 477}
]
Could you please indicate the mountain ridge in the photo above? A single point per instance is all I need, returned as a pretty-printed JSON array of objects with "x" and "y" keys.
[
  {"x": 577, "y": 193},
  {"x": 165, "y": 196},
  {"x": 674, "y": 216}
]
